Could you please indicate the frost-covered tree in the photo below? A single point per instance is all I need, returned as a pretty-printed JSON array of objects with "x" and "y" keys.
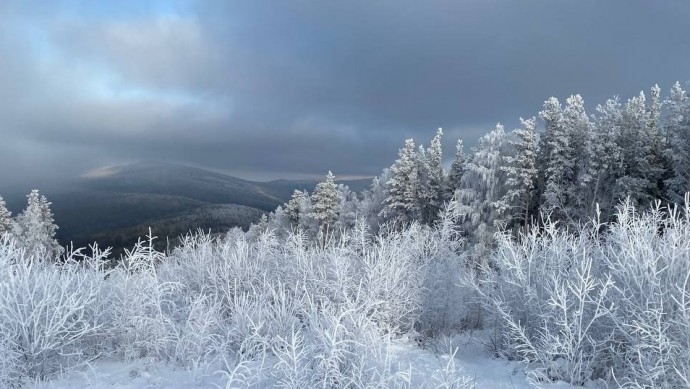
[
  {"x": 641, "y": 169},
  {"x": 35, "y": 227},
  {"x": 556, "y": 158},
  {"x": 401, "y": 205},
  {"x": 521, "y": 170},
  {"x": 678, "y": 143},
  {"x": 349, "y": 208},
  {"x": 372, "y": 201},
  {"x": 660, "y": 165},
  {"x": 480, "y": 206},
  {"x": 6, "y": 223},
  {"x": 563, "y": 157},
  {"x": 326, "y": 201},
  {"x": 578, "y": 127},
  {"x": 435, "y": 183},
  {"x": 431, "y": 180},
  {"x": 258, "y": 228},
  {"x": 294, "y": 208},
  {"x": 424, "y": 191},
  {"x": 457, "y": 168},
  {"x": 603, "y": 158}
]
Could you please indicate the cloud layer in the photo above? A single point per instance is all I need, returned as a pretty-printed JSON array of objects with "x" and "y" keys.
[{"x": 275, "y": 88}]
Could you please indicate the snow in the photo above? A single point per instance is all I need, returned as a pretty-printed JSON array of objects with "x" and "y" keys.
[{"x": 420, "y": 363}]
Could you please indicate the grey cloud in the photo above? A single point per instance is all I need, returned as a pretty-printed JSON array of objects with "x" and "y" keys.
[{"x": 301, "y": 87}]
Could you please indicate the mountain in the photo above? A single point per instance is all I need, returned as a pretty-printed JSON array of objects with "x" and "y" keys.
[
  {"x": 116, "y": 205},
  {"x": 182, "y": 181}
]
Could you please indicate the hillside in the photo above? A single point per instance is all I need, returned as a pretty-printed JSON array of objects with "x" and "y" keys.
[{"x": 116, "y": 205}]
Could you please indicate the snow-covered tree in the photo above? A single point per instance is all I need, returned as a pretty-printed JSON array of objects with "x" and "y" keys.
[
  {"x": 372, "y": 201},
  {"x": 257, "y": 229},
  {"x": 660, "y": 164},
  {"x": 35, "y": 227},
  {"x": 556, "y": 158},
  {"x": 521, "y": 170},
  {"x": 294, "y": 207},
  {"x": 435, "y": 183},
  {"x": 678, "y": 143},
  {"x": 349, "y": 208},
  {"x": 430, "y": 178},
  {"x": 401, "y": 205},
  {"x": 326, "y": 201},
  {"x": 457, "y": 168},
  {"x": 578, "y": 127},
  {"x": 563, "y": 157},
  {"x": 480, "y": 207},
  {"x": 6, "y": 223},
  {"x": 424, "y": 192},
  {"x": 603, "y": 158},
  {"x": 641, "y": 164}
]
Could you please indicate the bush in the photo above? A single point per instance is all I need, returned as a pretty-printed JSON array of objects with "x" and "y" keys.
[{"x": 585, "y": 306}]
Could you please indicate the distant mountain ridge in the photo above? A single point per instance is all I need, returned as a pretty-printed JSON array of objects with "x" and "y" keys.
[{"x": 114, "y": 205}]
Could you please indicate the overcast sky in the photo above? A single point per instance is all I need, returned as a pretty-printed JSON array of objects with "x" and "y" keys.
[{"x": 266, "y": 89}]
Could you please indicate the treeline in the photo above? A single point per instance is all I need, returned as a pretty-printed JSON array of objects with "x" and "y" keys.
[{"x": 581, "y": 163}]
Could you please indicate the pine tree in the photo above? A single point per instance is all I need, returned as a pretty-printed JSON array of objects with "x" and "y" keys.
[
  {"x": 294, "y": 207},
  {"x": 659, "y": 164},
  {"x": 401, "y": 205},
  {"x": 35, "y": 227},
  {"x": 641, "y": 164},
  {"x": 373, "y": 201},
  {"x": 457, "y": 168},
  {"x": 563, "y": 159},
  {"x": 326, "y": 201},
  {"x": 678, "y": 143},
  {"x": 578, "y": 128},
  {"x": 603, "y": 158},
  {"x": 521, "y": 169},
  {"x": 557, "y": 164},
  {"x": 424, "y": 192},
  {"x": 6, "y": 222},
  {"x": 436, "y": 178},
  {"x": 480, "y": 204},
  {"x": 349, "y": 208}
]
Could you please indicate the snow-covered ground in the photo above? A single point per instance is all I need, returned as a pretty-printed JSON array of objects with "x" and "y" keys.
[{"x": 420, "y": 366}]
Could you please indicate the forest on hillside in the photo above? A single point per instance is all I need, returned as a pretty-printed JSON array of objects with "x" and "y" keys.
[{"x": 564, "y": 244}]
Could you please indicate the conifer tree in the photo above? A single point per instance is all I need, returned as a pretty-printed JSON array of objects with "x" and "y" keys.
[
  {"x": 603, "y": 158},
  {"x": 35, "y": 227},
  {"x": 424, "y": 192},
  {"x": 401, "y": 205},
  {"x": 436, "y": 178},
  {"x": 326, "y": 201},
  {"x": 6, "y": 222},
  {"x": 678, "y": 145},
  {"x": 556, "y": 158},
  {"x": 457, "y": 168},
  {"x": 641, "y": 167},
  {"x": 521, "y": 170},
  {"x": 294, "y": 207},
  {"x": 480, "y": 199},
  {"x": 578, "y": 128},
  {"x": 660, "y": 165},
  {"x": 349, "y": 208},
  {"x": 373, "y": 199}
]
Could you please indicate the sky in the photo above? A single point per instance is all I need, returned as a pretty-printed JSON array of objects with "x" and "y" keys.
[{"x": 291, "y": 89}]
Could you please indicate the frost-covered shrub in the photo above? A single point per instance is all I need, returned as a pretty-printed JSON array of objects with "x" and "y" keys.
[
  {"x": 648, "y": 257},
  {"x": 447, "y": 306},
  {"x": 611, "y": 305},
  {"x": 553, "y": 307},
  {"x": 141, "y": 303},
  {"x": 51, "y": 315}
]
